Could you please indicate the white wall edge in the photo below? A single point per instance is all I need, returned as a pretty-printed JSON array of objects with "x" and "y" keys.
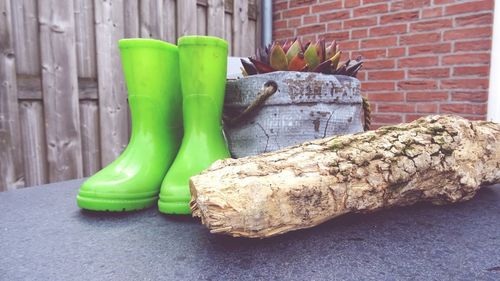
[{"x": 494, "y": 89}]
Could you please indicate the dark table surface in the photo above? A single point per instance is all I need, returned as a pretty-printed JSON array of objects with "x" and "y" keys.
[{"x": 44, "y": 236}]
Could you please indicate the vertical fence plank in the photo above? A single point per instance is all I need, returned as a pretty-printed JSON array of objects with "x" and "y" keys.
[
  {"x": 34, "y": 145},
  {"x": 26, "y": 36},
  {"x": 215, "y": 18},
  {"x": 170, "y": 21},
  {"x": 85, "y": 38},
  {"x": 186, "y": 17},
  {"x": 29, "y": 84},
  {"x": 201, "y": 20},
  {"x": 10, "y": 153},
  {"x": 228, "y": 33},
  {"x": 60, "y": 89},
  {"x": 131, "y": 18},
  {"x": 113, "y": 119},
  {"x": 89, "y": 119},
  {"x": 151, "y": 24},
  {"x": 240, "y": 23}
]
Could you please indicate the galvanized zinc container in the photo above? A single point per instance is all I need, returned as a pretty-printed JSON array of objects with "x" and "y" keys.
[{"x": 306, "y": 106}]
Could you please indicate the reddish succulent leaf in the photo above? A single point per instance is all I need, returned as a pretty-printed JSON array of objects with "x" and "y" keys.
[
  {"x": 297, "y": 63},
  {"x": 336, "y": 59},
  {"x": 261, "y": 67},
  {"x": 248, "y": 67},
  {"x": 324, "y": 67},
  {"x": 331, "y": 50},
  {"x": 287, "y": 45},
  {"x": 277, "y": 58},
  {"x": 320, "y": 45},
  {"x": 311, "y": 56},
  {"x": 294, "y": 49}
]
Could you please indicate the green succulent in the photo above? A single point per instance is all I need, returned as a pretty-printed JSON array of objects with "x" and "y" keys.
[{"x": 294, "y": 56}]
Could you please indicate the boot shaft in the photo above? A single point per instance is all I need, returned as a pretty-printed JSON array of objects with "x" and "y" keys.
[
  {"x": 151, "y": 69},
  {"x": 203, "y": 67}
]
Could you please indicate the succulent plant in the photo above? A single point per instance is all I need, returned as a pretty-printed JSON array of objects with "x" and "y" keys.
[{"x": 294, "y": 56}]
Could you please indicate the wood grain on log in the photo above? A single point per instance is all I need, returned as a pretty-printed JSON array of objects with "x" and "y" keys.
[{"x": 439, "y": 159}]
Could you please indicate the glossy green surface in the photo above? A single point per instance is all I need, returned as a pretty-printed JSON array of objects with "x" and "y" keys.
[
  {"x": 133, "y": 180},
  {"x": 203, "y": 63}
]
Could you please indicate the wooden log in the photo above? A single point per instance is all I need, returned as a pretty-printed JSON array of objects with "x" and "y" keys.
[{"x": 438, "y": 159}]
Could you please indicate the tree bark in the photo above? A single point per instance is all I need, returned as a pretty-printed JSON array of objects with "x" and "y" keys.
[{"x": 439, "y": 159}]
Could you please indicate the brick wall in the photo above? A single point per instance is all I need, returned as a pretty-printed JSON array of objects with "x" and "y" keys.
[{"x": 421, "y": 56}]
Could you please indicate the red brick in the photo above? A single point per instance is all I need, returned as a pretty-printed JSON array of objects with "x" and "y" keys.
[
  {"x": 474, "y": 6},
  {"x": 279, "y": 24},
  {"x": 346, "y": 45},
  {"x": 477, "y": 19},
  {"x": 297, "y": 3},
  {"x": 419, "y": 85},
  {"x": 310, "y": 19},
  {"x": 334, "y": 16},
  {"x": 396, "y": 107},
  {"x": 360, "y": 22},
  {"x": 377, "y": 86},
  {"x": 431, "y": 25},
  {"x": 430, "y": 49},
  {"x": 296, "y": 12},
  {"x": 418, "y": 62},
  {"x": 378, "y": 64},
  {"x": 387, "y": 118},
  {"x": 311, "y": 29},
  {"x": 399, "y": 17},
  {"x": 386, "y": 75},
  {"x": 427, "y": 108},
  {"x": 414, "y": 39},
  {"x": 432, "y": 12},
  {"x": 359, "y": 33},
  {"x": 294, "y": 23},
  {"x": 463, "y": 108},
  {"x": 475, "y": 96},
  {"x": 466, "y": 59},
  {"x": 396, "y": 52},
  {"x": 410, "y": 4},
  {"x": 379, "y": 42},
  {"x": 334, "y": 26},
  {"x": 371, "y": 10},
  {"x": 441, "y": 2},
  {"x": 390, "y": 96},
  {"x": 388, "y": 30},
  {"x": 431, "y": 73},
  {"x": 475, "y": 83},
  {"x": 467, "y": 33},
  {"x": 283, "y": 33},
  {"x": 471, "y": 70},
  {"x": 329, "y": 6},
  {"x": 427, "y": 96},
  {"x": 475, "y": 45},
  {"x": 279, "y": 6},
  {"x": 365, "y": 2},
  {"x": 351, "y": 3},
  {"x": 370, "y": 54}
]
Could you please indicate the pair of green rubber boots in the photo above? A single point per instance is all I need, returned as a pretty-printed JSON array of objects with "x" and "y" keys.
[{"x": 175, "y": 133}]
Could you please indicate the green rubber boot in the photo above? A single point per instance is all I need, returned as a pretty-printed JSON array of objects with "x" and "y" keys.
[
  {"x": 133, "y": 180},
  {"x": 203, "y": 66}
]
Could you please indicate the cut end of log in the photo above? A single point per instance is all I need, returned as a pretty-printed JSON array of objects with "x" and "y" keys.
[{"x": 438, "y": 159}]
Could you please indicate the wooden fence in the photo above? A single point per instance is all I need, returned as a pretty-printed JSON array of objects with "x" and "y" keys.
[{"x": 63, "y": 109}]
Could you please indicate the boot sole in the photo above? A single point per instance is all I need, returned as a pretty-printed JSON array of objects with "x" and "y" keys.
[
  {"x": 114, "y": 205},
  {"x": 174, "y": 208}
]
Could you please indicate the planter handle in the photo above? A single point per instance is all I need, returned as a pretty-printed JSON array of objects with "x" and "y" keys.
[
  {"x": 270, "y": 87},
  {"x": 367, "y": 118}
]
